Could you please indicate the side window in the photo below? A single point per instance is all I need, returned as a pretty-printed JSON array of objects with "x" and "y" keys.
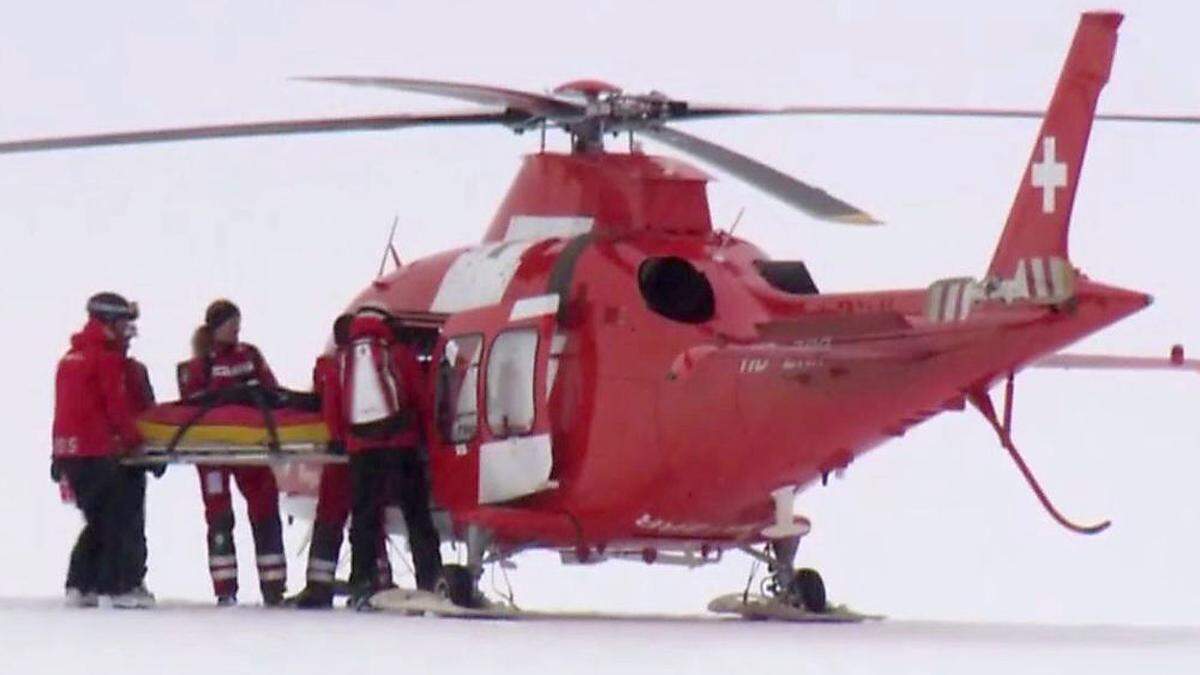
[
  {"x": 457, "y": 378},
  {"x": 510, "y": 408}
]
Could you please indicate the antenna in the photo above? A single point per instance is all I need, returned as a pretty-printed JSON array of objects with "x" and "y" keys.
[
  {"x": 723, "y": 238},
  {"x": 738, "y": 219},
  {"x": 391, "y": 248}
]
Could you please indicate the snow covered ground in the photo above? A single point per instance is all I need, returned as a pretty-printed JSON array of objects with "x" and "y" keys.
[
  {"x": 936, "y": 529},
  {"x": 188, "y": 638}
]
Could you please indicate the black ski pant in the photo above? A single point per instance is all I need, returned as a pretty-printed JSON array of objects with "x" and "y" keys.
[
  {"x": 109, "y": 556},
  {"x": 377, "y": 477}
]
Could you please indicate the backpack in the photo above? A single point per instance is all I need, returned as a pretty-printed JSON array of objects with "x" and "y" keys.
[{"x": 374, "y": 397}]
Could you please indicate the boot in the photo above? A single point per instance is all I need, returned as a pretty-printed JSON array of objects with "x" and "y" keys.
[
  {"x": 314, "y": 596},
  {"x": 145, "y": 597},
  {"x": 272, "y": 597},
  {"x": 78, "y": 598},
  {"x": 132, "y": 600},
  {"x": 360, "y": 597}
]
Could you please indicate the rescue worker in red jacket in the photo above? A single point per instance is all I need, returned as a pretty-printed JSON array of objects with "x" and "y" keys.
[
  {"x": 380, "y": 406},
  {"x": 333, "y": 494},
  {"x": 140, "y": 394},
  {"x": 93, "y": 428},
  {"x": 222, "y": 363}
]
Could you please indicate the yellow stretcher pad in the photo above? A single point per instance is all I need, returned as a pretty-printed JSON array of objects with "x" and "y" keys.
[{"x": 157, "y": 433}]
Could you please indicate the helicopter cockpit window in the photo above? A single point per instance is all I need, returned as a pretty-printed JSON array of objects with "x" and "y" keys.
[
  {"x": 789, "y": 276},
  {"x": 458, "y": 377},
  {"x": 510, "y": 408},
  {"x": 674, "y": 288}
]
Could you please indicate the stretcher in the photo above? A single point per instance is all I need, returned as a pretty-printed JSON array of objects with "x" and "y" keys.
[
  {"x": 234, "y": 455},
  {"x": 242, "y": 432}
]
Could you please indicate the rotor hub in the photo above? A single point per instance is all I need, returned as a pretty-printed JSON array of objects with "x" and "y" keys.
[{"x": 587, "y": 88}]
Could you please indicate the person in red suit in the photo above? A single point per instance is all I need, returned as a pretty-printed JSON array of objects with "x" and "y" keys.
[
  {"x": 93, "y": 428},
  {"x": 333, "y": 494},
  {"x": 378, "y": 402},
  {"x": 222, "y": 363}
]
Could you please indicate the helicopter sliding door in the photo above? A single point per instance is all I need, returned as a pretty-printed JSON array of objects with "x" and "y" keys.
[{"x": 491, "y": 443}]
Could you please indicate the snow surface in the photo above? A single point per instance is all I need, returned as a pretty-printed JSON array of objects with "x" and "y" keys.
[
  {"x": 933, "y": 527},
  {"x": 188, "y": 638}
]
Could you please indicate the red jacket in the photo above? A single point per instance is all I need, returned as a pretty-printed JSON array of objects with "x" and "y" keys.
[
  {"x": 137, "y": 385},
  {"x": 227, "y": 366},
  {"x": 325, "y": 385},
  {"x": 402, "y": 364},
  {"x": 93, "y": 415}
]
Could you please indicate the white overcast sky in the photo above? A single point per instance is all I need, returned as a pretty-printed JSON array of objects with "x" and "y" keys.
[{"x": 934, "y": 525}]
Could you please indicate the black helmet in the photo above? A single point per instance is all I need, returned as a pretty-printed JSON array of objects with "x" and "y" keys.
[{"x": 109, "y": 307}]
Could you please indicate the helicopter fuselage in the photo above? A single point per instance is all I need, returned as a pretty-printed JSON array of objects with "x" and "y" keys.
[{"x": 608, "y": 369}]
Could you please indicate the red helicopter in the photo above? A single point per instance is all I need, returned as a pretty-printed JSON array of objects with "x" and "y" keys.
[{"x": 615, "y": 378}]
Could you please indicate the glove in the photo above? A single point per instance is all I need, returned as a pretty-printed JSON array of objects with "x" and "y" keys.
[
  {"x": 56, "y": 472},
  {"x": 336, "y": 448}
]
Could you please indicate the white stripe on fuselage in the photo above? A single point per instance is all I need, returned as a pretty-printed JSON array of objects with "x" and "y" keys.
[
  {"x": 538, "y": 305},
  {"x": 480, "y": 276},
  {"x": 540, "y": 227}
]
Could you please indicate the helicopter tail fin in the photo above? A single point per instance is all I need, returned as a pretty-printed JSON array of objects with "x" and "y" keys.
[{"x": 1041, "y": 213}]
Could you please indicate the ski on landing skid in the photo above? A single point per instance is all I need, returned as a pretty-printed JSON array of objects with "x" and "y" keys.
[
  {"x": 762, "y": 608},
  {"x": 416, "y": 602}
]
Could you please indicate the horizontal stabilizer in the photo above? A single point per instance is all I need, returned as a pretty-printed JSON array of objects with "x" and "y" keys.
[{"x": 1175, "y": 361}]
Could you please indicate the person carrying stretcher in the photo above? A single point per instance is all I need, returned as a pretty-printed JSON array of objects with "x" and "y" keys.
[
  {"x": 333, "y": 494},
  {"x": 223, "y": 366},
  {"x": 93, "y": 428},
  {"x": 140, "y": 396},
  {"x": 378, "y": 400}
]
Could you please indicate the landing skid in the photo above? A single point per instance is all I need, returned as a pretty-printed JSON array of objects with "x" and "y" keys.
[
  {"x": 763, "y": 608},
  {"x": 755, "y": 607},
  {"x": 416, "y": 602},
  {"x": 422, "y": 603}
]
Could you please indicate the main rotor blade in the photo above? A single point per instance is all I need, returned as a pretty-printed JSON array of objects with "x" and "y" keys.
[
  {"x": 705, "y": 111},
  {"x": 534, "y": 104},
  {"x": 812, "y": 200},
  {"x": 369, "y": 123},
  {"x": 919, "y": 111}
]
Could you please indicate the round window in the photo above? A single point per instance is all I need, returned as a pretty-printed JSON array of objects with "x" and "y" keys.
[{"x": 674, "y": 288}]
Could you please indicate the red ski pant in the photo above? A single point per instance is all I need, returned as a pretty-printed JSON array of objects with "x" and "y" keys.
[
  {"x": 257, "y": 484},
  {"x": 333, "y": 510}
]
